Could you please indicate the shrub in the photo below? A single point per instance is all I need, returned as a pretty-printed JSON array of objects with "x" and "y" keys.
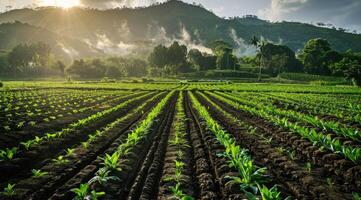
[{"x": 1, "y": 84}]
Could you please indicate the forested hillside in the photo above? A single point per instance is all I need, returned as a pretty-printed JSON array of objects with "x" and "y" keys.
[{"x": 120, "y": 30}]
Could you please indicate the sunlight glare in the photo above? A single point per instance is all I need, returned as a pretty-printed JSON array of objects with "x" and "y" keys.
[{"x": 61, "y": 3}]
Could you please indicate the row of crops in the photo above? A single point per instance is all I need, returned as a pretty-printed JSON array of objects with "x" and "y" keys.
[
  {"x": 180, "y": 85},
  {"x": 179, "y": 141}
]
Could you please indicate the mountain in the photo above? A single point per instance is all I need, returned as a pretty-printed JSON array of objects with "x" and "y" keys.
[{"x": 85, "y": 32}]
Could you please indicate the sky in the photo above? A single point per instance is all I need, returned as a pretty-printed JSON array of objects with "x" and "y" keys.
[{"x": 341, "y": 13}]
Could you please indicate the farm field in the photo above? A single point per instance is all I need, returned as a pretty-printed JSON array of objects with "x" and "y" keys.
[{"x": 179, "y": 140}]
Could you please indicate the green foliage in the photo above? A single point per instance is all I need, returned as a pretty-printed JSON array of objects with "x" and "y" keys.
[
  {"x": 317, "y": 55},
  {"x": 224, "y": 74},
  {"x": 249, "y": 175},
  {"x": 350, "y": 67},
  {"x": 313, "y": 78},
  {"x": 226, "y": 60},
  {"x": 9, "y": 190},
  {"x": 83, "y": 193},
  {"x": 37, "y": 173},
  {"x": 8, "y": 154},
  {"x": 275, "y": 115},
  {"x": 29, "y": 58},
  {"x": 102, "y": 176},
  {"x": 95, "y": 195},
  {"x": 60, "y": 160},
  {"x": 280, "y": 58},
  {"x": 112, "y": 67},
  {"x": 269, "y": 194},
  {"x": 111, "y": 161},
  {"x": 201, "y": 61},
  {"x": 356, "y": 196},
  {"x": 171, "y": 60},
  {"x": 70, "y": 152}
]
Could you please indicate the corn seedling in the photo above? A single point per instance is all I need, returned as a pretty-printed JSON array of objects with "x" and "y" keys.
[
  {"x": 38, "y": 173},
  {"x": 8, "y": 154},
  {"x": 356, "y": 196},
  {"x": 60, "y": 160},
  {"x": 269, "y": 194},
  {"x": 70, "y": 152},
  {"x": 95, "y": 195},
  {"x": 81, "y": 192},
  {"x": 9, "y": 190},
  {"x": 111, "y": 161},
  {"x": 102, "y": 176}
]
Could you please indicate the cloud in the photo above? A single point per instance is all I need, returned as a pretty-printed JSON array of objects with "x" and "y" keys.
[
  {"x": 242, "y": 48},
  {"x": 345, "y": 13},
  {"x": 104, "y": 45},
  {"x": 156, "y": 35}
]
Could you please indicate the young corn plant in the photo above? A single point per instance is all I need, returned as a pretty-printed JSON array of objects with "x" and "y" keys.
[
  {"x": 8, "y": 154},
  {"x": 70, "y": 152},
  {"x": 356, "y": 196},
  {"x": 102, "y": 176},
  {"x": 178, "y": 193},
  {"x": 60, "y": 160},
  {"x": 110, "y": 162},
  {"x": 37, "y": 173},
  {"x": 94, "y": 195},
  {"x": 266, "y": 194},
  {"x": 82, "y": 192},
  {"x": 9, "y": 190}
]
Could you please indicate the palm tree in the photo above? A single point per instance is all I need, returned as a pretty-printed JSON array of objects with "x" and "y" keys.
[{"x": 259, "y": 44}]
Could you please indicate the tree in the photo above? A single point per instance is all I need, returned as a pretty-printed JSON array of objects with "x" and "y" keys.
[
  {"x": 137, "y": 68},
  {"x": 177, "y": 54},
  {"x": 259, "y": 44},
  {"x": 20, "y": 57},
  {"x": 4, "y": 64},
  {"x": 41, "y": 53},
  {"x": 226, "y": 60},
  {"x": 277, "y": 63},
  {"x": 349, "y": 66},
  {"x": 61, "y": 66},
  {"x": 172, "y": 59},
  {"x": 113, "y": 72},
  {"x": 317, "y": 56},
  {"x": 280, "y": 58},
  {"x": 224, "y": 55},
  {"x": 195, "y": 58},
  {"x": 25, "y": 58},
  {"x": 201, "y": 61},
  {"x": 95, "y": 68},
  {"x": 219, "y": 45},
  {"x": 158, "y": 57}
]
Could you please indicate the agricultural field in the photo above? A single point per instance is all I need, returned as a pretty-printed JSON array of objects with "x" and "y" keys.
[{"x": 179, "y": 140}]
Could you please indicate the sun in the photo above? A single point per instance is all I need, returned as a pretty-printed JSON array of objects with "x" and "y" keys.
[
  {"x": 68, "y": 3},
  {"x": 61, "y": 3}
]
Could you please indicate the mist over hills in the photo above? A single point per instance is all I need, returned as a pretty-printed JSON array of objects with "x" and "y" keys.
[{"x": 80, "y": 32}]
